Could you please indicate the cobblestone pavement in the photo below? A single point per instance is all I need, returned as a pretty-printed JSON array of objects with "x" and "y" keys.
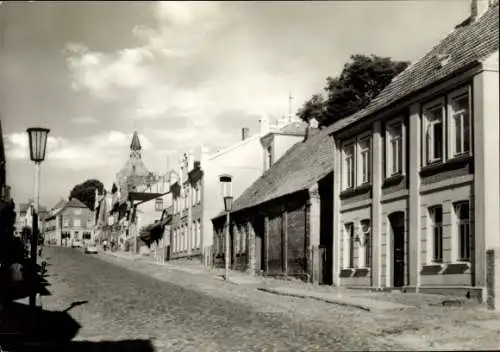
[
  {"x": 181, "y": 312},
  {"x": 189, "y": 313},
  {"x": 426, "y": 325}
]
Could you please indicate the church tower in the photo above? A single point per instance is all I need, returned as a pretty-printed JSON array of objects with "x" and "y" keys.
[
  {"x": 135, "y": 147},
  {"x": 134, "y": 172}
]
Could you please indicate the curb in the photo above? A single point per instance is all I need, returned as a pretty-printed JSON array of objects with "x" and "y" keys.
[{"x": 322, "y": 299}]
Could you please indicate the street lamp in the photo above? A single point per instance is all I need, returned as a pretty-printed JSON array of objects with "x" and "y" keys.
[
  {"x": 227, "y": 196},
  {"x": 38, "y": 145}
]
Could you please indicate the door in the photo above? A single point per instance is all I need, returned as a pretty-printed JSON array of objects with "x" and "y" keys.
[{"x": 398, "y": 240}]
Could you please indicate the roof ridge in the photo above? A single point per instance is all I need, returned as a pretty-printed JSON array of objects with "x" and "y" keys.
[{"x": 465, "y": 45}]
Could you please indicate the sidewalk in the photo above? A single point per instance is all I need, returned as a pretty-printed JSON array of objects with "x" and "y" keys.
[{"x": 360, "y": 299}]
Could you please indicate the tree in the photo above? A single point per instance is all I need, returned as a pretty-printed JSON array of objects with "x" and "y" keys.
[
  {"x": 85, "y": 192},
  {"x": 313, "y": 108},
  {"x": 361, "y": 80}
]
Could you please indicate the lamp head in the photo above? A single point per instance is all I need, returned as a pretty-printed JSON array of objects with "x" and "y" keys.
[{"x": 37, "y": 143}]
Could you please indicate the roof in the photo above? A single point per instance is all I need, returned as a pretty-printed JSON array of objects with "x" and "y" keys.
[
  {"x": 302, "y": 165},
  {"x": 75, "y": 203},
  {"x": 135, "y": 145},
  {"x": 466, "y": 45},
  {"x": 60, "y": 204},
  {"x": 296, "y": 128},
  {"x": 72, "y": 203},
  {"x": 23, "y": 208}
]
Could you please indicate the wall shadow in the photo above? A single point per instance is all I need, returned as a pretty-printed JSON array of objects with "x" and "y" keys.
[
  {"x": 84, "y": 346},
  {"x": 23, "y": 328}
]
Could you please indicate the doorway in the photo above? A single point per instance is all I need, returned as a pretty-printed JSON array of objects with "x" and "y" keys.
[{"x": 397, "y": 221}]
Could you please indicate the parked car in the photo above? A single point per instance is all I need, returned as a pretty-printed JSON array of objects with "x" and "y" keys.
[
  {"x": 91, "y": 249},
  {"x": 76, "y": 244}
]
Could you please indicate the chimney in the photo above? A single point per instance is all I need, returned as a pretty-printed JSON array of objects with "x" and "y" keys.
[
  {"x": 244, "y": 133},
  {"x": 478, "y": 8}
]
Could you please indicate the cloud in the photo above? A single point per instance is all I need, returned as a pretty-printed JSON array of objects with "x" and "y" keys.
[
  {"x": 91, "y": 152},
  {"x": 84, "y": 120},
  {"x": 100, "y": 73}
]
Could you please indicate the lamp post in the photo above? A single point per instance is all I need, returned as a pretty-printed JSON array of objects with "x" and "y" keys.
[
  {"x": 227, "y": 196},
  {"x": 38, "y": 143}
]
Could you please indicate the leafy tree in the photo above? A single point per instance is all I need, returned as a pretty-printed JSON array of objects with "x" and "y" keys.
[
  {"x": 85, "y": 192},
  {"x": 361, "y": 80}
]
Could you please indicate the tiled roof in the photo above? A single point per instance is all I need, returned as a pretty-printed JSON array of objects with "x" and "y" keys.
[
  {"x": 302, "y": 165},
  {"x": 72, "y": 203},
  {"x": 466, "y": 45},
  {"x": 75, "y": 203},
  {"x": 296, "y": 128},
  {"x": 59, "y": 204}
]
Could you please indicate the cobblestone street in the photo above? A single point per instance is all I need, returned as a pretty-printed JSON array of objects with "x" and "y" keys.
[
  {"x": 181, "y": 312},
  {"x": 127, "y": 305}
]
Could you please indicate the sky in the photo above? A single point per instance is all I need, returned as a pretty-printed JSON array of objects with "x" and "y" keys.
[{"x": 183, "y": 74}]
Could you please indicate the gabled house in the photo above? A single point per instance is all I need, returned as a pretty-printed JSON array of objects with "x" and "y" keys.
[
  {"x": 416, "y": 181},
  {"x": 199, "y": 200},
  {"x": 73, "y": 221},
  {"x": 25, "y": 216},
  {"x": 281, "y": 224}
]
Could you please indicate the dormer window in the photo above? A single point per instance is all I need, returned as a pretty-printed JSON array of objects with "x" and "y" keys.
[
  {"x": 269, "y": 156},
  {"x": 443, "y": 59}
]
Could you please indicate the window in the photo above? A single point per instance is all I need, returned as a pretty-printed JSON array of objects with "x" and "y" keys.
[
  {"x": 460, "y": 124},
  {"x": 394, "y": 158},
  {"x": 366, "y": 239},
  {"x": 348, "y": 166},
  {"x": 434, "y": 133},
  {"x": 66, "y": 222},
  {"x": 76, "y": 223},
  {"x": 198, "y": 239},
  {"x": 184, "y": 237},
  {"x": 194, "y": 234},
  {"x": 77, "y": 211},
  {"x": 158, "y": 204},
  {"x": 364, "y": 160},
  {"x": 436, "y": 228},
  {"x": 462, "y": 213},
  {"x": 269, "y": 155},
  {"x": 198, "y": 192},
  {"x": 194, "y": 194},
  {"x": 349, "y": 245}
]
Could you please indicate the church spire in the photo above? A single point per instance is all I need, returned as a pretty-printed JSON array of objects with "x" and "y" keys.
[{"x": 135, "y": 145}]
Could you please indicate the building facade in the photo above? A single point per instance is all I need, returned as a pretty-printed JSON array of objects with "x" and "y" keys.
[
  {"x": 281, "y": 225},
  {"x": 416, "y": 186},
  {"x": 137, "y": 202},
  {"x": 25, "y": 216},
  {"x": 69, "y": 222},
  {"x": 199, "y": 199}
]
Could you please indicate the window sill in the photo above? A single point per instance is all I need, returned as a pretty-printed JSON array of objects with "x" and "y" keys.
[
  {"x": 432, "y": 269},
  {"x": 350, "y": 192},
  {"x": 440, "y": 166},
  {"x": 456, "y": 268},
  {"x": 393, "y": 180}
]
